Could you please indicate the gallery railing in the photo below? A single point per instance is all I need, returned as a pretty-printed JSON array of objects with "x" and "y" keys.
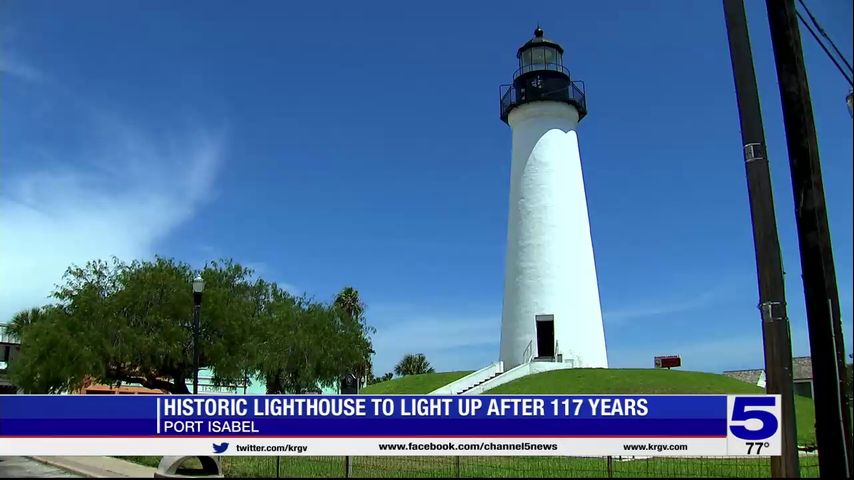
[{"x": 574, "y": 94}]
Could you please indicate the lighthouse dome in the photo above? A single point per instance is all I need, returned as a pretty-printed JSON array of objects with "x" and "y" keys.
[
  {"x": 541, "y": 76},
  {"x": 540, "y": 53}
]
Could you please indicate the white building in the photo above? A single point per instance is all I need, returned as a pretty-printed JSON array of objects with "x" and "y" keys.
[
  {"x": 551, "y": 295},
  {"x": 551, "y": 317}
]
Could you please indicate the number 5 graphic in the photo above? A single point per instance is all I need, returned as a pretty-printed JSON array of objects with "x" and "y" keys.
[{"x": 740, "y": 413}]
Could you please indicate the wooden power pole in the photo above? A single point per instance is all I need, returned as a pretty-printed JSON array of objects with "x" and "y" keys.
[
  {"x": 833, "y": 424},
  {"x": 769, "y": 264}
]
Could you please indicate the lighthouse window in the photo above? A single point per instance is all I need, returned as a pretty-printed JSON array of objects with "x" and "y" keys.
[
  {"x": 526, "y": 58},
  {"x": 551, "y": 56},
  {"x": 538, "y": 56}
]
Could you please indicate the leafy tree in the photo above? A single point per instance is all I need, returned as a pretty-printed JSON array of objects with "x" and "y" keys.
[
  {"x": 131, "y": 322},
  {"x": 302, "y": 344},
  {"x": 281, "y": 337},
  {"x": 116, "y": 322},
  {"x": 413, "y": 364}
]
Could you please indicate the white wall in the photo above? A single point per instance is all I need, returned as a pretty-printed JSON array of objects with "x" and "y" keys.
[{"x": 549, "y": 263}]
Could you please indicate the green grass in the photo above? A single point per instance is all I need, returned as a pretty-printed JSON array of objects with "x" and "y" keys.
[
  {"x": 625, "y": 380},
  {"x": 414, "y": 384},
  {"x": 649, "y": 381}
]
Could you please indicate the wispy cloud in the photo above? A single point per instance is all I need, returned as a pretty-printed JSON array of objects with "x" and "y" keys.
[
  {"x": 668, "y": 304},
  {"x": 13, "y": 66},
  {"x": 11, "y": 62},
  {"x": 465, "y": 338},
  {"x": 291, "y": 288},
  {"x": 120, "y": 195}
]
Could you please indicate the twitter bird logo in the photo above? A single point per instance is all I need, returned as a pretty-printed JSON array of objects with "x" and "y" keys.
[{"x": 222, "y": 447}]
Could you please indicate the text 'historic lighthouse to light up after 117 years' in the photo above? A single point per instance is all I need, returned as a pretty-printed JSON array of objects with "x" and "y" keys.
[{"x": 551, "y": 296}]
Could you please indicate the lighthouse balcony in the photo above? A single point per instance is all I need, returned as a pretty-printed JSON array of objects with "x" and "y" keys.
[{"x": 542, "y": 84}]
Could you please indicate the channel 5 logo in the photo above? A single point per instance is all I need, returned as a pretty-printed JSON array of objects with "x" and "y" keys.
[{"x": 754, "y": 417}]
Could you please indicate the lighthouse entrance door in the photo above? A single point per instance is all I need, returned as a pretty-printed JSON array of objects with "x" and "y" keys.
[{"x": 545, "y": 336}]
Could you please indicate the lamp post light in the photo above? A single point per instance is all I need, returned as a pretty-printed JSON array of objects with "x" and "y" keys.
[
  {"x": 198, "y": 288},
  {"x": 848, "y": 100}
]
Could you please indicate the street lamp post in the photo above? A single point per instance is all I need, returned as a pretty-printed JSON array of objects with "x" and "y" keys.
[
  {"x": 849, "y": 100},
  {"x": 198, "y": 288}
]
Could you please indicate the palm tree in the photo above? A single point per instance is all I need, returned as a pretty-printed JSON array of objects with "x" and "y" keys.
[
  {"x": 413, "y": 364},
  {"x": 23, "y": 320},
  {"x": 348, "y": 301}
]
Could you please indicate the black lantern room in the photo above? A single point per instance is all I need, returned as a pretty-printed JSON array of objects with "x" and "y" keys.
[{"x": 541, "y": 76}]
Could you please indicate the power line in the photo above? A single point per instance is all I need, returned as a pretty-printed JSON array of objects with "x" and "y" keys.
[
  {"x": 839, "y": 67},
  {"x": 824, "y": 34}
]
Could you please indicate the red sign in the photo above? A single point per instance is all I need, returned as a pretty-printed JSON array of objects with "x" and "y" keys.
[{"x": 668, "y": 361}]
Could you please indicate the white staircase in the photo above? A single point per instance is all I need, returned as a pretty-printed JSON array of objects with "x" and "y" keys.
[
  {"x": 471, "y": 380},
  {"x": 520, "y": 371},
  {"x": 463, "y": 392},
  {"x": 494, "y": 375}
]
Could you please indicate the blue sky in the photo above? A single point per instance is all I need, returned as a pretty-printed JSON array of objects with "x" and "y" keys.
[{"x": 338, "y": 143}]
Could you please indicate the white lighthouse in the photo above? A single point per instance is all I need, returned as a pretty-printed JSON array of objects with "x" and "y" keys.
[{"x": 551, "y": 296}]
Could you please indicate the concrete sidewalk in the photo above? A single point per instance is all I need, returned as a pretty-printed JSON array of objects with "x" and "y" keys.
[{"x": 99, "y": 467}]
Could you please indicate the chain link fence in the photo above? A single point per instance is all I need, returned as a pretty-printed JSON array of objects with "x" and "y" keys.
[{"x": 501, "y": 467}]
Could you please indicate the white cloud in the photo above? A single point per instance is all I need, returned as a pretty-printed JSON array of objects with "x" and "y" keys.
[
  {"x": 666, "y": 306},
  {"x": 11, "y": 63},
  {"x": 119, "y": 197},
  {"x": 291, "y": 288},
  {"x": 13, "y": 67},
  {"x": 462, "y": 339}
]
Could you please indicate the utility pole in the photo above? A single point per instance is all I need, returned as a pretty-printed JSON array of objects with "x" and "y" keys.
[
  {"x": 833, "y": 427},
  {"x": 769, "y": 264}
]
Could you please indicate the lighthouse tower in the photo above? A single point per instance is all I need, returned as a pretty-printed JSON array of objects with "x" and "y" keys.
[{"x": 551, "y": 298}]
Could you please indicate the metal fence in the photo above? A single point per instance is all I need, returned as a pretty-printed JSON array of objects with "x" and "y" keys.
[
  {"x": 573, "y": 93},
  {"x": 501, "y": 467}
]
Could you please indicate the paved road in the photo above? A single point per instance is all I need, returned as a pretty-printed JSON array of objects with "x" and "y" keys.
[{"x": 20, "y": 467}]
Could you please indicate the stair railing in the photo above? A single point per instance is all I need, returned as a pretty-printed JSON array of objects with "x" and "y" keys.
[{"x": 528, "y": 354}]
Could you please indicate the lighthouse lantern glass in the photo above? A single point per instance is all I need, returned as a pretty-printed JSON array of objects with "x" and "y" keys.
[{"x": 540, "y": 58}]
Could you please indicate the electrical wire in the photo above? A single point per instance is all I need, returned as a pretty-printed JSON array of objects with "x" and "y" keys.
[
  {"x": 825, "y": 35},
  {"x": 823, "y": 47}
]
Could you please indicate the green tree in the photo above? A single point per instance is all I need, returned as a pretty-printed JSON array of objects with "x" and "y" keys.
[
  {"x": 349, "y": 302},
  {"x": 413, "y": 364},
  {"x": 302, "y": 344},
  {"x": 281, "y": 337},
  {"x": 351, "y": 312},
  {"x": 24, "y": 319},
  {"x": 118, "y": 322}
]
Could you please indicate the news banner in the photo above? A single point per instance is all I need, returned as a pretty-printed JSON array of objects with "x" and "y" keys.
[{"x": 565, "y": 425}]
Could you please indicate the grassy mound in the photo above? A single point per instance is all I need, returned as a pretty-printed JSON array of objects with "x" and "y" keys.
[
  {"x": 649, "y": 381},
  {"x": 414, "y": 384}
]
